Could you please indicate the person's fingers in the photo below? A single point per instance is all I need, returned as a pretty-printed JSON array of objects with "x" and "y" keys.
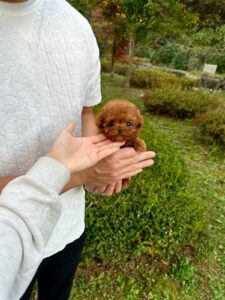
[
  {"x": 70, "y": 128},
  {"x": 145, "y": 155},
  {"x": 98, "y": 138},
  {"x": 136, "y": 167},
  {"x": 105, "y": 142},
  {"x": 100, "y": 190},
  {"x": 145, "y": 164},
  {"x": 109, "y": 190},
  {"x": 138, "y": 158},
  {"x": 134, "y": 173},
  {"x": 133, "y": 168},
  {"x": 89, "y": 188},
  {"x": 106, "y": 151},
  {"x": 118, "y": 186},
  {"x": 126, "y": 153},
  {"x": 110, "y": 145}
]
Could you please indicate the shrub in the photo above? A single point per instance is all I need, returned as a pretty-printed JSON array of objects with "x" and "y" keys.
[
  {"x": 219, "y": 60},
  {"x": 178, "y": 103},
  {"x": 105, "y": 66},
  {"x": 212, "y": 126},
  {"x": 173, "y": 55},
  {"x": 138, "y": 61},
  {"x": 143, "y": 50},
  {"x": 166, "y": 53},
  {"x": 149, "y": 78},
  {"x": 158, "y": 214},
  {"x": 180, "y": 60},
  {"x": 120, "y": 69}
]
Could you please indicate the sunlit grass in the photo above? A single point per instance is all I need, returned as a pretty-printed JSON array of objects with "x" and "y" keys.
[{"x": 198, "y": 277}]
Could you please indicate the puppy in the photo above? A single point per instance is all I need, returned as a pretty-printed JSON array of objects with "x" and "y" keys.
[{"x": 121, "y": 121}]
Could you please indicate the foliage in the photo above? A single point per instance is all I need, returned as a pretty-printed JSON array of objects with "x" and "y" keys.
[
  {"x": 151, "y": 78},
  {"x": 183, "y": 57},
  {"x": 86, "y": 7},
  {"x": 189, "y": 58},
  {"x": 130, "y": 281},
  {"x": 212, "y": 125},
  {"x": 140, "y": 61},
  {"x": 211, "y": 12},
  {"x": 202, "y": 275},
  {"x": 119, "y": 68},
  {"x": 158, "y": 214},
  {"x": 172, "y": 54},
  {"x": 129, "y": 22},
  {"x": 217, "y": 58},
  {"x": 213, "y": 37},
  {"x": 146, "y": 17},
  {"x": 178, "y": 103},
  {"x": 181, "y": 34}
]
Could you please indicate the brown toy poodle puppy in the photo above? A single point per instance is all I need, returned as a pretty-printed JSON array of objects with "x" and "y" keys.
[{"x": 121, "y": 121}]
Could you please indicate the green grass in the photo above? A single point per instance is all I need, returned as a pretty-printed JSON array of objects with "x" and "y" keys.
[{"x": 200, "y": 275}]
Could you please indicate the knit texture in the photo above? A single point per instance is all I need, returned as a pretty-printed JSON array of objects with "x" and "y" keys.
[
  {"x": 44, "y": 84},
  {"x": 29, "y": 209}
]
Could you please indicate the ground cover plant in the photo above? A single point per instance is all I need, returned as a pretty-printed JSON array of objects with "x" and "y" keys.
[
  {"x": 199, "y": 271},
  {"x": 179, "y": 103},
  {"x": 151, "y": 78},
  {"x": 212, "y": 126},
  {"x": 147, "y": 77},
  {"x": 158, "y": 214},
  {"x": 206, "y": 108}
]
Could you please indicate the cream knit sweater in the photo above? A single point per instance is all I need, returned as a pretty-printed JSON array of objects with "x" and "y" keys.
[
  {"x": 29, "y": 209},
  {"x": 46, "y": 78}
]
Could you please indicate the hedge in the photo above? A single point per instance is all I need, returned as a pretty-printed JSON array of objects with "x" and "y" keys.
[
  {"x": 212, "y": 126},
  {"x": 120, "y": 69},
  {"x": 158, "y": 214},
  {"x": 178, "y": 103},
  {"x": 149, "y": 78}
]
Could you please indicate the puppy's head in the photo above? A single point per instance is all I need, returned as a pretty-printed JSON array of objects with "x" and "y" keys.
[{"x": 120, "y": 120}]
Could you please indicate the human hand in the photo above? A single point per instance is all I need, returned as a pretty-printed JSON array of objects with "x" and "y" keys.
[
  {"x": 107, "y": 190},
  {"x": 125, "y": 163},
  {"x": 80, "y": 153}
]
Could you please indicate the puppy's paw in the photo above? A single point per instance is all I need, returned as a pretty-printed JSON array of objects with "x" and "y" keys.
[
  {"x": 126, "y": 183},
  {"x": 140, "y": 145}
]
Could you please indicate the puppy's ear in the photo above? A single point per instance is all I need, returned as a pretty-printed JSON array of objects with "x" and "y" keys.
[
  {"x": 100, "y": 121},
  {"x": 140, "y": 122}
]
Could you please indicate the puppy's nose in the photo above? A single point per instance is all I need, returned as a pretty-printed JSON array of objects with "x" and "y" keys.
[{"x": 119, "y": 131}]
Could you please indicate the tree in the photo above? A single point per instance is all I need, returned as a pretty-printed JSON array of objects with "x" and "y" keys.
[
  {"x": 132, "y": 21},
  {"x": 211, "y": 12},
  {"x": 140, "y": 19},
  {"x": 86, "y": 7}
]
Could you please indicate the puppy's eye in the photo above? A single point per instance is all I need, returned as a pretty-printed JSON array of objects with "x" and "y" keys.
[
  {"x": 129, "y": 124},
  {"x": 111, "y": 124}
]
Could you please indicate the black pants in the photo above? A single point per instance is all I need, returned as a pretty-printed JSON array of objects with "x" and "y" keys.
[{"x": 56, "y": 273}]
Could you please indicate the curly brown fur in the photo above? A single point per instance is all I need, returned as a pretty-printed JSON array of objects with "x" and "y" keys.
[{"x": 121, "y": 121}]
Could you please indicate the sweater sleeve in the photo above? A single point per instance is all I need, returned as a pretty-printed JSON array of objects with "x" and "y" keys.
[
  {"x": 29, "y": 210},
  {"x": 93, "y": 94}
]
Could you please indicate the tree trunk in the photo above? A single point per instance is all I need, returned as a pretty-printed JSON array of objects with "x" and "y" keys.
[
  {"x": 113, "y": 56},
  {"x": 114, "y": 45},
  {"x": 130, "y": 60}
]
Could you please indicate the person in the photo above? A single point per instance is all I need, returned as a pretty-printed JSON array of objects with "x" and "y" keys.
[
  {"x": 30, "y": 206},
  {"x": 50, "y": 76}
]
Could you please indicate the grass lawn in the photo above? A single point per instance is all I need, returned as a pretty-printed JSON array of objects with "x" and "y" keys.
[{"x": 198, "y": 277}]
